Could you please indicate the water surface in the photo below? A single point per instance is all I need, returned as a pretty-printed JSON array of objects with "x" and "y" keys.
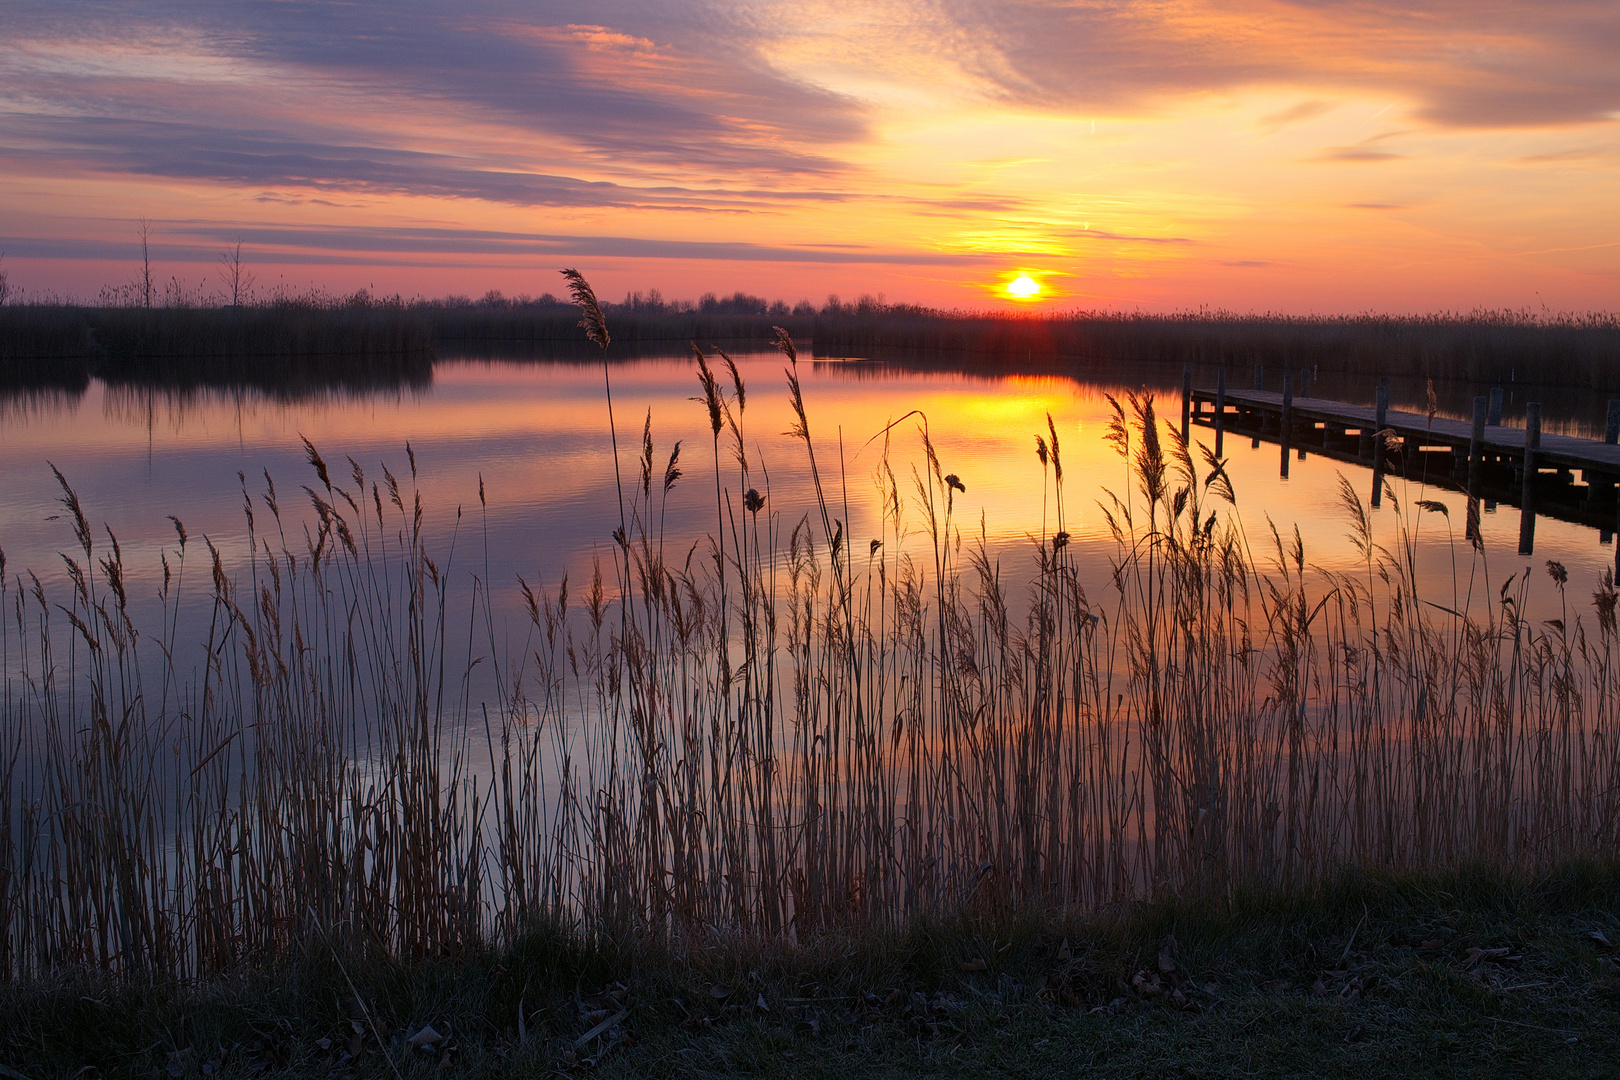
[{"x": 536, "y": 434}]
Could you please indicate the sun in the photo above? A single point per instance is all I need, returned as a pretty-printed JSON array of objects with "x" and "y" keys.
[{"x": 1024, "y": 287}]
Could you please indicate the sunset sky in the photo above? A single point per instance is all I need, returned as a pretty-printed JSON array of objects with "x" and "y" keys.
[{"x": 1255, "y": 155}]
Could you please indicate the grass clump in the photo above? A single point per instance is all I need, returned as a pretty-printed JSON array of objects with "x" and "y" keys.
[{"x": 1473, "y": 972}]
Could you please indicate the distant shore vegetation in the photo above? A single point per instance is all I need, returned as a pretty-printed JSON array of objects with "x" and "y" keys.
[{"x": 229, "y": 331}]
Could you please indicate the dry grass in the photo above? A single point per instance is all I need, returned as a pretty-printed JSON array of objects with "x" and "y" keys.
[{"x": 785, "y": 731}]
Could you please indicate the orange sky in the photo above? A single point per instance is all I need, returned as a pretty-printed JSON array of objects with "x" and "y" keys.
[{"x": 1256, "y": 155}]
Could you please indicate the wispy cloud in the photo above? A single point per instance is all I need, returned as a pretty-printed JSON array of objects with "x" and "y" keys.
[
  {"x": 883, "y": 133},
  {"x": 1460, "y": 63},
  {"x": 266, "y": 158},
  {"x": 1358, "y": 153},
  {"x": 202, "y": 240},
  {"x": 1294, "y": 114}
]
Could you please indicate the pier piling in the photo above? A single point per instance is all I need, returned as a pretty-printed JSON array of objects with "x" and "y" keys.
[
  {"x": 1527, "y": 509},
  {"x": 1186, "y": 401},
  {"x": 1476, "y": 466}
]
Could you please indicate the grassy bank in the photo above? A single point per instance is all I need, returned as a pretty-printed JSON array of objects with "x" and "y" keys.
[{"x": 1367, "y": 975}]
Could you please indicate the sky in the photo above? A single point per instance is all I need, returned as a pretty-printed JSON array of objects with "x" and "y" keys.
[{"x": 1254, "y": 155}]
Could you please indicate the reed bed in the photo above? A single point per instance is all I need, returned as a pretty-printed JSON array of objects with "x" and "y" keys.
[
  {"x": 276, "y": 345},
  {"x": 49, "y": 342},
  {"x": 1571, "y": 350},
  {"x": 782, "y": 730}
]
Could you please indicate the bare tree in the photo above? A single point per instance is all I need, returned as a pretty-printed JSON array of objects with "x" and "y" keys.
[
  {"x": 145, "y": 228},
  {"x": 237, "y": 280}
]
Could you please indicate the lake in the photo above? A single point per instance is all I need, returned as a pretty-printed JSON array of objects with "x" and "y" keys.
[
  {"x": 936, "y": 675},
  {"x": 536, "y": 433}
]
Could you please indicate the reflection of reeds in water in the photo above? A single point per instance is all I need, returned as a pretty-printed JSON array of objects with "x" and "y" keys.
[{"x": 782, "y": 729}]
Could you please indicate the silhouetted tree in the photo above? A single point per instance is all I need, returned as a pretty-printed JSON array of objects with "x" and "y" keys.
[
  {"x": 236, "y": 279},
  {"x": 145, "y": 228}
]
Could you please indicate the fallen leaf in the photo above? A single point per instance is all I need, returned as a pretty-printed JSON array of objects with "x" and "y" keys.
[
  {"x": 1477, "y": 955},
  {"x": 600, "y": 1028},
  {"x": 1167, "y": 953},
  {"x": 1433, "y": 944},
  {"x": 1146, "y": 984},
  {"x": 324, "y": 1043},
  {"x": 424, "y": 1038},
  {"x": 976, "y": 964},
  {"x": 357, "y": 1043},
  {"x": 1064, "y": 953},
  {"x": 719, "y": 991},
  {"x": 1602, "y": 941},
  {"x": 761, "y": 1004}
]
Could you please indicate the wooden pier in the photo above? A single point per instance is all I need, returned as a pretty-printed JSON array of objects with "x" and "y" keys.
[{"x": 1557, "y": 476}]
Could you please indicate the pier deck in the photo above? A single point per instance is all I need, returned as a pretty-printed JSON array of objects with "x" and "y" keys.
[
  {"x": 1573, "y": 479},
  {"x": 1501, "y": 442}
]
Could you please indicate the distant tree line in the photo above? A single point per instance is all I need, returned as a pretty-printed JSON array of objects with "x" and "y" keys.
[{"x": 230, "y": 325}]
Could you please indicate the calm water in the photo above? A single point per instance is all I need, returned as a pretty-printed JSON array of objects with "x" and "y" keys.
[{"x": 537, "y": 434}]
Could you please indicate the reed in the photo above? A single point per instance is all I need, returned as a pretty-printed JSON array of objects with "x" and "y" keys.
[
  {"x": 1571, "y": 350},
  {"x": 190, "y": 342},
  {"x": 783, "y": 731},
  {"x": 276, "y": 344}
]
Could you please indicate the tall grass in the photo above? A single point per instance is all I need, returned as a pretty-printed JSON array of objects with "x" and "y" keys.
[
  {"x": 277, "y": 345},
  {"x": 1572, "y": 350},
  {"x": 185, "y": 341},
  {"x": 782, "y": 729}
]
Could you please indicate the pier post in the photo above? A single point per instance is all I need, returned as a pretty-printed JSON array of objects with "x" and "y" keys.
[
  {"x": 1259, "y": 376},
  {"x": 1305, "y": 383},
  {"x": 1476, "y": 465},
  {"x": 1285, "y": 435},
  {"x": 1527, "y": 510},
  {"x": 1377, "y": 441},
  {"x": 1611, "y": 430},
  {"x": 1220, "y": 412},
  {"x": 1186, "y": 401},
  {"x": 1493, "y": 418}
]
